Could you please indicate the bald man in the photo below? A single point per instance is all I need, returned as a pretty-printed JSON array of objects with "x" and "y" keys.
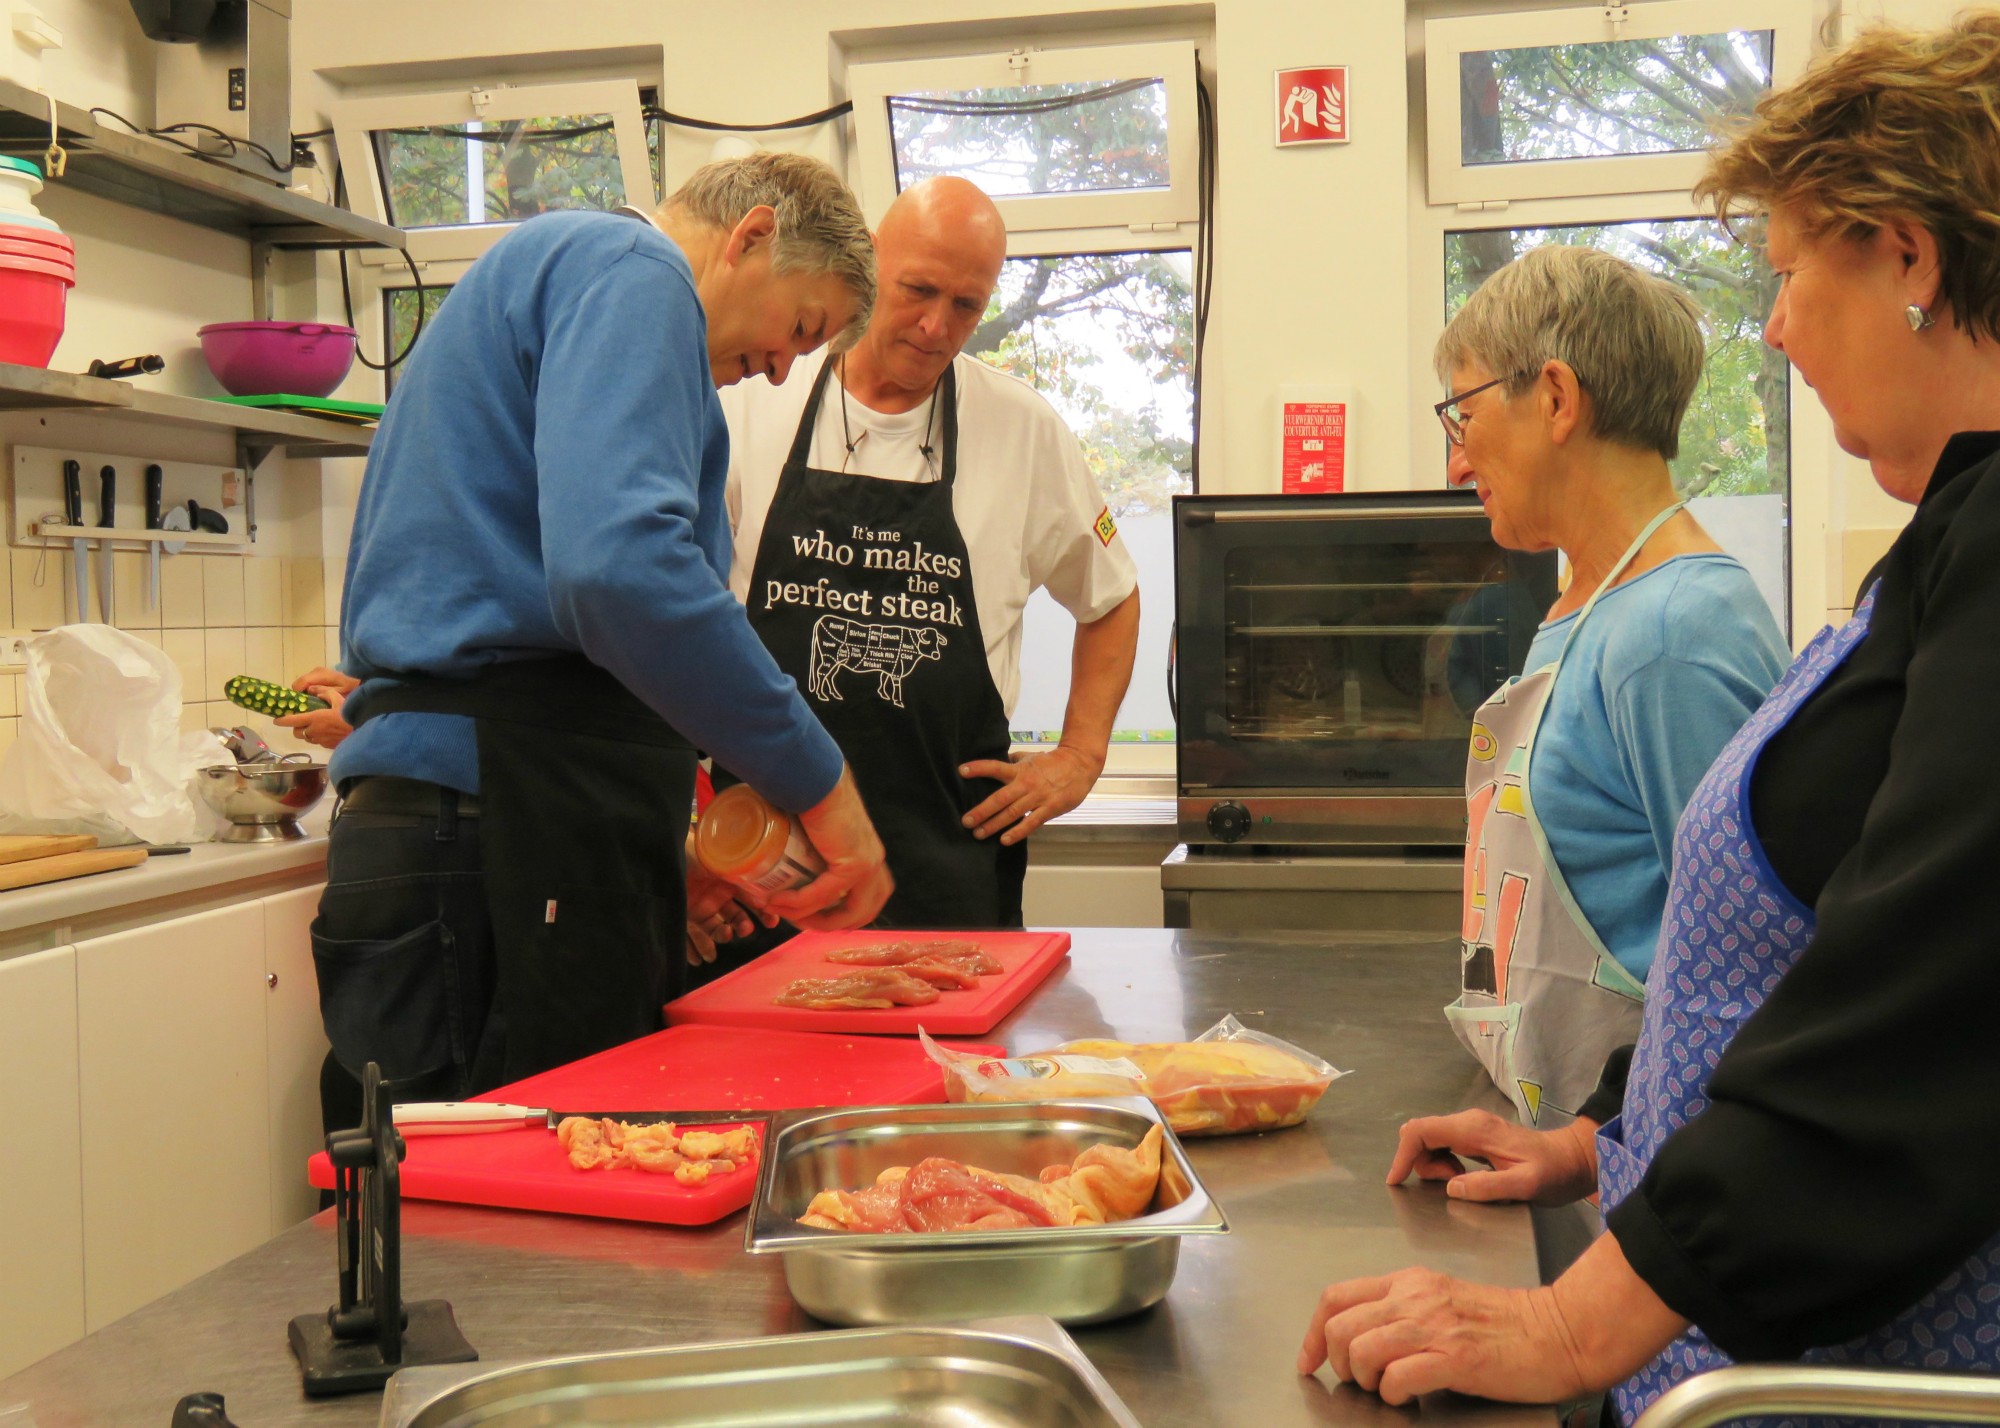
[{"x": 893, "y": 510}]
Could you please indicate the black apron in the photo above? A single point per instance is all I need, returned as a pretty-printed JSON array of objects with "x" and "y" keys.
[
  {"x": 584, "y": 798},
  {"x": 862, "y": 591}
]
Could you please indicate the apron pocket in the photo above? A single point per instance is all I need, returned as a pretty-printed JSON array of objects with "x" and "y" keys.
[
  {"x": 1486, "y": 1028},
  {"x": 386, "y": 999}
]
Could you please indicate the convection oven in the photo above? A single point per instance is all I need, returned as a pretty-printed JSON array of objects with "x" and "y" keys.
[{"x": 1331, "y": 651}]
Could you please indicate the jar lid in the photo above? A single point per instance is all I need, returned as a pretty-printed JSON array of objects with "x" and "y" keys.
[
  {"x": 26, "y": 166},
  {"x": 734, "y": 830}
]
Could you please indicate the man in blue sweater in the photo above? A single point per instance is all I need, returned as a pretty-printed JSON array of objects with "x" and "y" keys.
[{"x": 537, "y": 605}]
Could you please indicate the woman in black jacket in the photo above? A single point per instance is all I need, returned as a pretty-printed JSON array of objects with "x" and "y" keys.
[{"x": 1803, "y": 1158}]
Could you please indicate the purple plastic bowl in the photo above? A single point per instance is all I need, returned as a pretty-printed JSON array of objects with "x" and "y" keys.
[{"x": 258, "y": 359}]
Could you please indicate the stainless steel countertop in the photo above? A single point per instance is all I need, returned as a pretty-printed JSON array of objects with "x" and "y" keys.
[{"x": 1306, "y": 1207}]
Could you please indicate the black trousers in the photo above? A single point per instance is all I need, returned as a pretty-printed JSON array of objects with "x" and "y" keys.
[{"x": 403, "y": 947}]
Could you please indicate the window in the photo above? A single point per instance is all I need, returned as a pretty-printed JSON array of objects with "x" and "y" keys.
[
  {"x": 1091, "y": 140},
  {"x": 399, "y": 322},
  {"x": 1092, "y": 156},
  {"x": 1617, "y": 99},
  {"x": 1108, "y": 338},
  {"x": 1734, "y": 461},
  {"x": 1589, "y": 126},
  {"x": 458, "y": 169}
]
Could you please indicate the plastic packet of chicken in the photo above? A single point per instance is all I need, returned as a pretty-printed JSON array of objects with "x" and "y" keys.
[{"x": 1230, "y": 1080}]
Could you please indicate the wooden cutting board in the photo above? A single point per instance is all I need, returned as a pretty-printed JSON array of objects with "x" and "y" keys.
[
  {"x": 67, "y": 865},
  {"x": 19, "y": 847}
]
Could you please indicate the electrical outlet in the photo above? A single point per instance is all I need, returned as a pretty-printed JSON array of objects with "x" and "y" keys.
[{"x": 14, "y": 651}]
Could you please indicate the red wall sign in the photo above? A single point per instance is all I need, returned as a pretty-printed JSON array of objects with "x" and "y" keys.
[
  {"x": 1312, "y": 105},
  {"x": 1314, "y": 446}
]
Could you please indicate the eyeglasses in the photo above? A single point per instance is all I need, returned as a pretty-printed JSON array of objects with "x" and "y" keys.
[{"x": 1453, "y": 423}]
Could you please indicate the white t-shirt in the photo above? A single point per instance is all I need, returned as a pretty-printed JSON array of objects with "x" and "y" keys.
[{"x": 1026, "y": 504}]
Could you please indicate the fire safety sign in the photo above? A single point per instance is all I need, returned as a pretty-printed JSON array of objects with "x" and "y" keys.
[{"x": 1312, "y": 105}]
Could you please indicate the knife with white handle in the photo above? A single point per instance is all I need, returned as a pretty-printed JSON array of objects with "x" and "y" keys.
[{"x": 474, "y": 1117}]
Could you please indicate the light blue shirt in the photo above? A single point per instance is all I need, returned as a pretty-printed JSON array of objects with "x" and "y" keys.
[
  {"x": 1663, "y": 673},
  {"x": 548, "y": 479}
]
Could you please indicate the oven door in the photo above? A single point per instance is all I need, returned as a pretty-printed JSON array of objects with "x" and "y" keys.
[{"x": 1340, "y": 644}]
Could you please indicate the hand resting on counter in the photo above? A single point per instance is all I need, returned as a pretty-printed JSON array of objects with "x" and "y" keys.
[{"x": 1540, "y": 1167}]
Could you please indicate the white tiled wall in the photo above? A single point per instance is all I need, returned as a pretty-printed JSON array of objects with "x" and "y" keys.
[{"x": 218, "y": 616}]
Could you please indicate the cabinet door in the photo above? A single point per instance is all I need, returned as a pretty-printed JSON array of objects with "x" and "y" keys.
[
  {"x": 41, "y": 1174},
  {"x": 294, "y": 1048},
  {"x": 176, "y": 1130}
]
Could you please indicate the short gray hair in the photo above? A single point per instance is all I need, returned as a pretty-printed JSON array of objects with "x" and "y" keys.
[
  {"x": 1634, "y": 340},
  {"x": 820, "y": 227}
]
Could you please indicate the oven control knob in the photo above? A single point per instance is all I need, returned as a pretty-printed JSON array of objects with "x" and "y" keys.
[{"x": 1228, "y": 820}]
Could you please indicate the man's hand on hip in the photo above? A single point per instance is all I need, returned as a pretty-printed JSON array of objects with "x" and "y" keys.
[
  {"x": 856, "y": 882},
  {"x": 1032, "y": 790}
]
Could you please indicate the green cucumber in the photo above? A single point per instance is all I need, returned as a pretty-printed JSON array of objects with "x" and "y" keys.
[{"x": 260, "y": 696}]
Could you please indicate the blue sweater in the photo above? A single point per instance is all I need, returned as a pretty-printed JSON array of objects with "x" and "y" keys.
[
  {"x": 1666, "y": 669},
  {"x": 548, "y": 479}
]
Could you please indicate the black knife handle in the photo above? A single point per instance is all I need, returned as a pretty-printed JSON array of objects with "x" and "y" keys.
[
  {"x": 73, "y": 492},
  {"x": 107, "y": 495},
  {"x": 155, "y": 479}
]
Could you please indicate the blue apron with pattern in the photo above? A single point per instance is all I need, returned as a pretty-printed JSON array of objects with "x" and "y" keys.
[{"x": 1732, "y": 930}]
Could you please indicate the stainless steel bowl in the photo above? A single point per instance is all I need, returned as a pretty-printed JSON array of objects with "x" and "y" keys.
[
  {"x": 262, "y": 801},
  {"x": 1077, "y": 1274},
  {"x": 995, "y": 1373}
]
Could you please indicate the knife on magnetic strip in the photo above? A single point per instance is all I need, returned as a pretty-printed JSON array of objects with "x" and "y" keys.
[{"x": 473, "y": 1117}]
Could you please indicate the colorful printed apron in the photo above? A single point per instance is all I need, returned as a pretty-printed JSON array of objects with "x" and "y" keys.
[
  {"x": 1542, "y": 1001},
  {"x": 1732, "y": 930}
]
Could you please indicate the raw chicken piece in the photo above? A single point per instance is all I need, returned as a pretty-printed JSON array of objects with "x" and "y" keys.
[
  {"x": 952, "y": 952},
  {"x": 940, "y": 1194},
  {"x": 654, "y": 1146},
  {"x": 945, "y": 976},
  {"x": 875, "y": 988},
  {"x": 1110, "y": 1183},
  {"x": 1105, "y": 1184}
]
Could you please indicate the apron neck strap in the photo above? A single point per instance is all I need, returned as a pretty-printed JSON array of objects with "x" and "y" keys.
[
  {"x": 1631, "y": 554},
  {"x": 945, "y": 396},
  {"x": 801, "y": 452}
]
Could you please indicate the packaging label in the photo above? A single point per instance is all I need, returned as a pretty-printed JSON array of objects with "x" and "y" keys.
[{"x": 1042, "y": 1068}]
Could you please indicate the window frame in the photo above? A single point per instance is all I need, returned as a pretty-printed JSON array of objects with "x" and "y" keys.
[
  {"x": 355, "y": 122},
  {"x": 1077, "y": 222},
  {"x": 1451, "y": 181}
]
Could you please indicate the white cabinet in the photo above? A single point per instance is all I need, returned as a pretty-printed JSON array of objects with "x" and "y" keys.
[
  {"x": 175, "y": 1114},
  {"x": 294, "y": 1047},
  {"x": 41, "y": 1188}
]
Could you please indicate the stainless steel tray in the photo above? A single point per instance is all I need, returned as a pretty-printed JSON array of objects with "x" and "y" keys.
[
  {"x": 994, "y": 1373},
  {"x": 1080, "y": 1274}
]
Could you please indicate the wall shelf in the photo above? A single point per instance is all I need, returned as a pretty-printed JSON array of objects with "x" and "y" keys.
[
  {"x": 149, "y": 174},
  {"x": 257, "y": 431}
]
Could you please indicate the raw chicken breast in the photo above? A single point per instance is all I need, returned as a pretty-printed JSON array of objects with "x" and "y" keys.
[{"x": 878, "y": 987}]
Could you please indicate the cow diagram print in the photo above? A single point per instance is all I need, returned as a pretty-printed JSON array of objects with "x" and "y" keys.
[{"x": 889, "y": 652}]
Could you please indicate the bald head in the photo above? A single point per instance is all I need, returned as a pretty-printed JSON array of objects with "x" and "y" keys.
[
  {"x": 938, "y": 250},
  {"x": 948, "y": 214}
]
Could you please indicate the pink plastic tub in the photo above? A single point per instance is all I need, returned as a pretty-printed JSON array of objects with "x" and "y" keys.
[
  {"x": 256, "y": 359},
  {"x": 33, "y": 296}
]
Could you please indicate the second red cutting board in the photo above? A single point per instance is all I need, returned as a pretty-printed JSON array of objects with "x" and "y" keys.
[
  {"x": 683, "y": 1067},
  {"x": 743, "y": 998}
]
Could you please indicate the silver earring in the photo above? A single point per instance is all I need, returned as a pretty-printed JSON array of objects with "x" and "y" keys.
[{"x": 1919, "y": 319}]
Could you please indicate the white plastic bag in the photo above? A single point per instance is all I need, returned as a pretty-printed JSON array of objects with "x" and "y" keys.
[{"x": 100, "y": 748}]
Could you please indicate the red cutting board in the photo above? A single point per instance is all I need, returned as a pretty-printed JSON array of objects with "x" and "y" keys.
[
  {"x": 684, "y": 1067},
  {"x": 743, "y": 998}
]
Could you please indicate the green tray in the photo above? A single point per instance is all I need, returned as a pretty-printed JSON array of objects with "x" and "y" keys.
[{"x": 313, "y": 406}]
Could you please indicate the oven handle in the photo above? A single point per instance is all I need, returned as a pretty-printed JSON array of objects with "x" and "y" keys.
[
  {"x": 1173, "y": 670},
  {"x": 1387, "y": 508}
]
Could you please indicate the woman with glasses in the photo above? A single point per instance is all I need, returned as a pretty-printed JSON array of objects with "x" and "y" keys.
[
  {"x": 1799, "y": 1160},
  {"x": 1570, "y": 371}
]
